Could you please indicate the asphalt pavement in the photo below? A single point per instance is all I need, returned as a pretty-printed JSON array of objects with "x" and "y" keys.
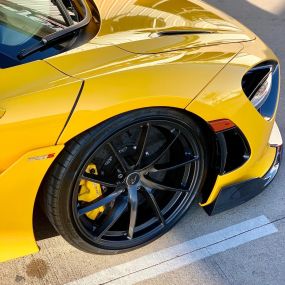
[{"x": 245, "y": 245}]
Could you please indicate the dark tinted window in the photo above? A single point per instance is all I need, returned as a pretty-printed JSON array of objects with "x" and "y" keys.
[{"x": 24, "y": 23}]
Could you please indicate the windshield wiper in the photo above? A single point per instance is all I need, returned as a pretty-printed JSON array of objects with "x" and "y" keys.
[{"x": 57, "y": 36}]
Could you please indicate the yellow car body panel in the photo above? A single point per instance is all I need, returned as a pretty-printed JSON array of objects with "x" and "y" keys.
[
  {"x": 129, "y": 22},
  {"x": 224, "y": 98},
  {"x": 37, "y": 99},
  {"x": 165, "y": 79},
  {"x": 127, "y": 66},
  {"x": 19, "y": 187}
]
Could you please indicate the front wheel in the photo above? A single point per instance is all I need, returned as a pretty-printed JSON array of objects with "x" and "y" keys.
[{"x": 126, "y": 182}]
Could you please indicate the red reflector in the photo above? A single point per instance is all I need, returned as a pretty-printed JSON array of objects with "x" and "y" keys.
[
  {"x": 51, "y": 155},
  {"x": 221, "y": 125}
]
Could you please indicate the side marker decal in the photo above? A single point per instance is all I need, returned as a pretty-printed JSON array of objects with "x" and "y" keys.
[{"x": 42, "y": 157}]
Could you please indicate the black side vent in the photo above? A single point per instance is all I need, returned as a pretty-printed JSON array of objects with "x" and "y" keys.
[
  {"x": 233, "y": 150},
  {"x": 238, "y": 149}
]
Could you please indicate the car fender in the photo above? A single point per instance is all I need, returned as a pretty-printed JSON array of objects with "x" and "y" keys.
[{"x": 116, "y": 81}]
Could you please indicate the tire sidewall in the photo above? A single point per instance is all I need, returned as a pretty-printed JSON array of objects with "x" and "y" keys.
[{"x": 87, "y": 143}]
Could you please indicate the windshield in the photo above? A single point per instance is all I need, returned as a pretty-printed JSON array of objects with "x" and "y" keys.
[{"x": 25, "y": 23}]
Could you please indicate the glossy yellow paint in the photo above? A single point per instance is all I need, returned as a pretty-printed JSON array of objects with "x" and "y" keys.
[
  {"x": 127, "y": 22},
  {"x": 2, "y": 112},
  {"x": 35, "y": 102},
  {"x": 117, "y": 81},
  {"x": 224, "y": 98},
  {"x": 125, "y": 69},
  {"x": 37, "y": 99},
  {"x": 20, "y": 182}
]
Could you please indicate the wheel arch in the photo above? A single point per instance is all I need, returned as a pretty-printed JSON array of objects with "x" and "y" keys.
[
  {"x": 206, "y": 132},
  {"x": 202, "y": 130}
]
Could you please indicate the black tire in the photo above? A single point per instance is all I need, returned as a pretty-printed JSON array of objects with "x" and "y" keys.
[{"x": 61, "y": 186}]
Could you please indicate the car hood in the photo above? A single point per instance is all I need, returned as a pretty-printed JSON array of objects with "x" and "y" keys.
[{"x": 165, "y": 25}]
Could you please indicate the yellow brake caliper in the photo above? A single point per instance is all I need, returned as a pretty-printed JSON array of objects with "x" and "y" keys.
[{"x": 90, "y": 191}]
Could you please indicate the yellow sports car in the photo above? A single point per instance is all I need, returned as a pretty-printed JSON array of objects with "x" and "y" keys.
[{"x": 116, "y": 114}]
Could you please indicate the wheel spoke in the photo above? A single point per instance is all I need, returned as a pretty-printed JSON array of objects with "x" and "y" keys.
[
  {"x": 152, "y": 202},
  {"x": 133, "y": 200},
  {"x": 162, "y": 151},
  {"x": 135, "y": 165},
  {"x": 119, "y": 157},
  {"x": 157, "y": 186},
  {"x": 97, "y": 179},
  {"x": 143, "y": 139},
  {"x": 99, "y": 202},
  {"x": 115, "y": 213},
  {"x": 170, "y": 166}
]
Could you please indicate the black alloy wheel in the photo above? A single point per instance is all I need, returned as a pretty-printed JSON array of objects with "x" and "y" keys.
[{"x": 149, "y": 165}]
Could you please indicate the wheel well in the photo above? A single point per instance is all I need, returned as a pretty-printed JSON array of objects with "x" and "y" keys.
[{"x": 212, "y": 152}]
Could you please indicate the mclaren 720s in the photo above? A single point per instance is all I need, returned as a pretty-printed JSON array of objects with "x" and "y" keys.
[{"x": 116, "y": 114}]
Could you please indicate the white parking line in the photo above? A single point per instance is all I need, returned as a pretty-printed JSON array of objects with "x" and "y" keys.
[{"x": 175, "y": 257}]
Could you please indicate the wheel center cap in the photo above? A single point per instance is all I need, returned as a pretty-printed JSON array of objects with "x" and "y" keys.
[{"x": 133, "y": 179}]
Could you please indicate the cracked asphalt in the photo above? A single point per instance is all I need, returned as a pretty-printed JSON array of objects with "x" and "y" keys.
[{"x": 251, "y": 257}]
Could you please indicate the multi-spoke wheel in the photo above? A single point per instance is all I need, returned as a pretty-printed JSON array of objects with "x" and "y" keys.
[{"x": 126, "y": 182}]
